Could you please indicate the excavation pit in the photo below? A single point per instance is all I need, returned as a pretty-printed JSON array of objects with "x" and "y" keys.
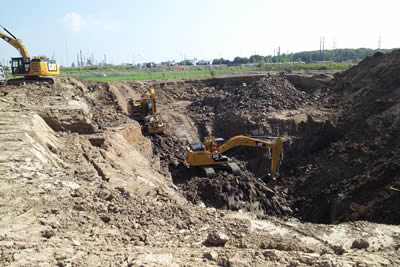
[
  {"x": 126, "y": 196},
  {"x": 264, "y": 106},
  {"x": 329, "y": 159}
]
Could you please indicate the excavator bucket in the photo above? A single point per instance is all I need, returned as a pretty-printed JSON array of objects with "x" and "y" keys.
[{"x": 156, "y": 128}]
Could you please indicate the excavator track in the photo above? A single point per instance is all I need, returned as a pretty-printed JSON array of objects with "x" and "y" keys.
[
  {"x": 20, "y": 81},
  {"x": 234, "y": 168},
  {"x": 208, "y": 171}
]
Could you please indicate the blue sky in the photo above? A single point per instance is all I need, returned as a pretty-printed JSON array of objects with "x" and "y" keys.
[{"x": 159, "y": 30}]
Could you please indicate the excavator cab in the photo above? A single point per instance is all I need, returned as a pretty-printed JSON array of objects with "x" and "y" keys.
[
  {"x": 20, "y": 65},
  {"x": 149, "y": 106}
]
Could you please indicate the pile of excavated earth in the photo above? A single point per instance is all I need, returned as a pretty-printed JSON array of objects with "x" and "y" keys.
[{"x": 83, "y": 184}]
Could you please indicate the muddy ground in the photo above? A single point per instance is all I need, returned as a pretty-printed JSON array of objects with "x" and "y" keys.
[{"x": 84, "y": 184}]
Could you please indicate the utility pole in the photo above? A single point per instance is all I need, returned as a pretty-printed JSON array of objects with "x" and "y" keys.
[
  {"x": 279, "y": 54},
  {"x": 66, "y": 53},
  {"x": 320, "y": 47},
  {"x": 379, "y": 41}
]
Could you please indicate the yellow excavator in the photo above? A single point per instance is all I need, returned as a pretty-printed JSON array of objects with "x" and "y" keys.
[
  {"x": 140, "y": 108},
  {"x": 144, "y": 109},
  {"x": 32, "y": 70},
  {"x": 208, "y": 155}
]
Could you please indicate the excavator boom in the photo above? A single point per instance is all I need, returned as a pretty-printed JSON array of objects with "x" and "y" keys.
[
  {"x": 242, "y": 140},
  {"x": 156, "y": 125},
  {"x": 14, "y": 42},
  {"x": 276, "y": 147}
]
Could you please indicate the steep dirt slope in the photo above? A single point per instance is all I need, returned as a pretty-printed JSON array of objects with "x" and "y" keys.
[{"x": 358, "y": 175}]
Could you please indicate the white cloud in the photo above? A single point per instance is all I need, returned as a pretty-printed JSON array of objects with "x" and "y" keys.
[
  {"x": 76, "y": 23},
  {"x": 73, "y": 22}
]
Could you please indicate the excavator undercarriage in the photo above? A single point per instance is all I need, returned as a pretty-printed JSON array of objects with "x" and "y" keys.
[{"x": 19, "y": 81}]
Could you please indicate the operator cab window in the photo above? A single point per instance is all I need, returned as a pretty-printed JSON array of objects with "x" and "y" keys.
[{"x": 16, "y": 63}]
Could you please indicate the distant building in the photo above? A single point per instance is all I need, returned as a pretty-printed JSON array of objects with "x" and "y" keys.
[
  {"x": 168, "y": 63},
  {"x": 192, "y": 61},
  {"x": 204, "y": 62},
  {"x": 149, "y": 64}
]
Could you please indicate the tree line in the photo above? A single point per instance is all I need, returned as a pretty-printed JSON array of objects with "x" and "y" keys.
[{"x": 335, "y": 55}]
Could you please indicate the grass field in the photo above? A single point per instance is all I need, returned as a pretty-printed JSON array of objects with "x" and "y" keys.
[{"x": 129, "y": 73}]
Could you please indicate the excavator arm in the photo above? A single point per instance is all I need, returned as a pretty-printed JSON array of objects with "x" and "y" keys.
[
  {"x": 14, "y": 42},
  {"x": 156, "y": 126},
  {"x": 141, "y": 108},
  {"x": 276, "y": 147},
  {"x": 153, "y": 103}
]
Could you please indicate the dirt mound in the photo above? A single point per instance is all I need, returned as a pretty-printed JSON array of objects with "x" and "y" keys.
[
  {"x": 244, "y": 109},
  {"x": 244, "y": 192},
  {"x": 267, "y": 94},
  {"x": 357, "y": 176}
]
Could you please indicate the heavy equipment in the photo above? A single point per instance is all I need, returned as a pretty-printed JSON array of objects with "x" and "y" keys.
[
  {"x": 32, "y": 70},
  {"x": 208, "y": 155},
  {"x": 140, "y": 108},
  {"x": 144, "y": 109}
]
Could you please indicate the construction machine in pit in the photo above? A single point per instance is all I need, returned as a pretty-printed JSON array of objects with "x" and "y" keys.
[
  {"x": 144, "y": 109},
  {"x": 209, "y": 155}
]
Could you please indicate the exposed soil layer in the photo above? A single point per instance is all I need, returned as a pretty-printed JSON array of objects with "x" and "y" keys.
[
  {"x": 244, "y": 109},
  {"x": 357, "y": 176}
]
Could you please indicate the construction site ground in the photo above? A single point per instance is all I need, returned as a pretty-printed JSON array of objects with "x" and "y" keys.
[{"x": 83, "y": 184}]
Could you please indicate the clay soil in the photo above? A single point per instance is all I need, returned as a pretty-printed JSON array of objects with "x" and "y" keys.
[{"x": 82, "y": 184}]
